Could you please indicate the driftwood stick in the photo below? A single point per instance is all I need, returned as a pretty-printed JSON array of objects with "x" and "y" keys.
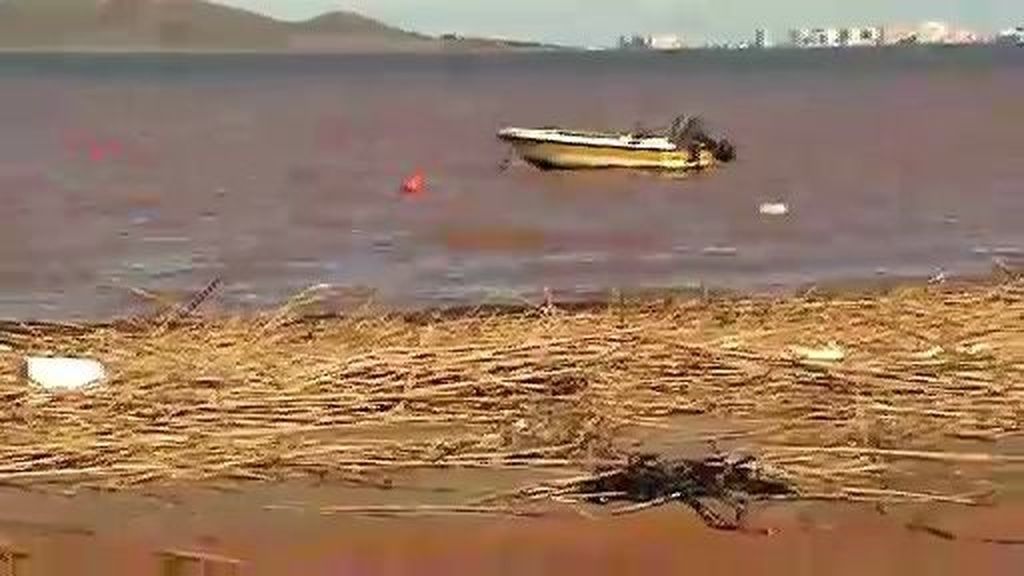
[
  {"x": 646, "y": 505},
  {"x": 427, "y": 510},
  {"x": 959, "y": 457},
  {"x": 914, "y": 496}
]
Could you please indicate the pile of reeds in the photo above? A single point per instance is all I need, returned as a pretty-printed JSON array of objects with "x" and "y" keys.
[{"x": 928, "y": 384}]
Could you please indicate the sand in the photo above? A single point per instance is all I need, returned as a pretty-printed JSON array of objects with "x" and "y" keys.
[{"x": 453, "y": 423}]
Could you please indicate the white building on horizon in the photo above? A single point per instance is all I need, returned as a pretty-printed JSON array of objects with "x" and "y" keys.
[
  {"x": 664, "y": 42},
  {"x": 1012, "y": 36},
  {"x": 862, "y": 36},
  {"x": 931, "y": 32},
  {"x": 899, "y": 34},
  {"x": 815, "y": 37},
  {"x": 654, "y": 42}
]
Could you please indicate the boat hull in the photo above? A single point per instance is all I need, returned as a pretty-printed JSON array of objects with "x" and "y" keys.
[{"x": 560, "y": 156}]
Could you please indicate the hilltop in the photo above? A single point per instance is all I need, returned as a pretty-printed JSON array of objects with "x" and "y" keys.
[{"x": 197, "y": 25}]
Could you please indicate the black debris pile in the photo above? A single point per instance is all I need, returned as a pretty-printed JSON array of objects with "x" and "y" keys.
[{"x": 718, "y": 488}]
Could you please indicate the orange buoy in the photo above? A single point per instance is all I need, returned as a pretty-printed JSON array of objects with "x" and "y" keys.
[{"x": 414, "y": 184}]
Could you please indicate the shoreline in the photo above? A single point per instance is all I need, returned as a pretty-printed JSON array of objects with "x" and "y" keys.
[
  {"x": 429, "y": 49},
  {"x": 541, "y": 386},
  {"x": 364, "y": 299}
]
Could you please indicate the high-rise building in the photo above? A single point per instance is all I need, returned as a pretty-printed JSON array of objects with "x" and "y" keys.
[
  {"x": 634, "y": 42},
  {"x": 824, "y": 38},
  {"x": 761, "y": 39},
  {"x": 815, "y": 37}
]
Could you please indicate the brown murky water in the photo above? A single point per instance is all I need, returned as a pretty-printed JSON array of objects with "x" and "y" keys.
[{"x": 281, "y": 172}]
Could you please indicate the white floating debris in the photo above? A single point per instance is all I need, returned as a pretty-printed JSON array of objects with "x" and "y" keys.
[
  {"x": 774, "y": 209},
  {"x": 720, "y": 251},
  {"x": 830, "y": 353},
  {"x": 58, "y": 374},
  {"x": 997, "y": 251}
]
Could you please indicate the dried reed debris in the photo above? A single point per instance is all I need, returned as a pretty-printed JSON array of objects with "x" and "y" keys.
[{"x": 284, "y": 396}]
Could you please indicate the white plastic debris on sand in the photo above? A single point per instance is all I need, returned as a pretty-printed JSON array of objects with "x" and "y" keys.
[
  {"x": 830, "y": 353},
  {"x": 63, "y": 374},
  {"x": 773, "y": 209}
]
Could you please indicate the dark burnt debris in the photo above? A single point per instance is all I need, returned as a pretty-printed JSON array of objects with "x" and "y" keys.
[{"x": 718, "y": 488}]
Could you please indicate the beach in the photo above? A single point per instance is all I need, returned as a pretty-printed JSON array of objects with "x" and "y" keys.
[
  {"x": 891, "y": 411},
  {"x": 307, "y": 371}
]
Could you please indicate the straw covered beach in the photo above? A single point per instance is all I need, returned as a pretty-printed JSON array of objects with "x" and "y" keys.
[{"x": 914, "y": 393}]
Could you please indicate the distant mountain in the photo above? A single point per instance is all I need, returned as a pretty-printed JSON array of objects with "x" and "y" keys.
[
  {"x": 126, "y": 25},
  {"x": 353, "y": 24},
  {"x": 346, "y": 32}
]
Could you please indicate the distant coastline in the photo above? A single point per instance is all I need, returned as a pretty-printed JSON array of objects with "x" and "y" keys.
[
  {"x": 483, "y": 47},
  {"x": 150, "y": 27},
  {"x": 438, "y": 48}
]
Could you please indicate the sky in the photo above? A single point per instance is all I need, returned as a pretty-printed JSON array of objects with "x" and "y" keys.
[{"x": 600, "y": 22}]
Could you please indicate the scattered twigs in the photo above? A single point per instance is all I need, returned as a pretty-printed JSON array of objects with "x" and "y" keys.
[
  {"x": 283, "y": 396},
  {"x": 950, "y": 535},
  {"x": 172, "y": 312},
  {"x": 905, "y": 496},
  {"x": 194, "y": 304},
  {"x": 957, "y": 457}
]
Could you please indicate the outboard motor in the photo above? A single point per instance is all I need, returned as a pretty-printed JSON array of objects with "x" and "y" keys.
[
  {"x": 724, "y": 151},
  {"x": 689, "y": 132}
]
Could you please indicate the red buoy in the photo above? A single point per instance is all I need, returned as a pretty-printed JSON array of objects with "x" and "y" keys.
[
  {"x": 414, "y": 184},
  {"x": 97, "y": 152}
]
